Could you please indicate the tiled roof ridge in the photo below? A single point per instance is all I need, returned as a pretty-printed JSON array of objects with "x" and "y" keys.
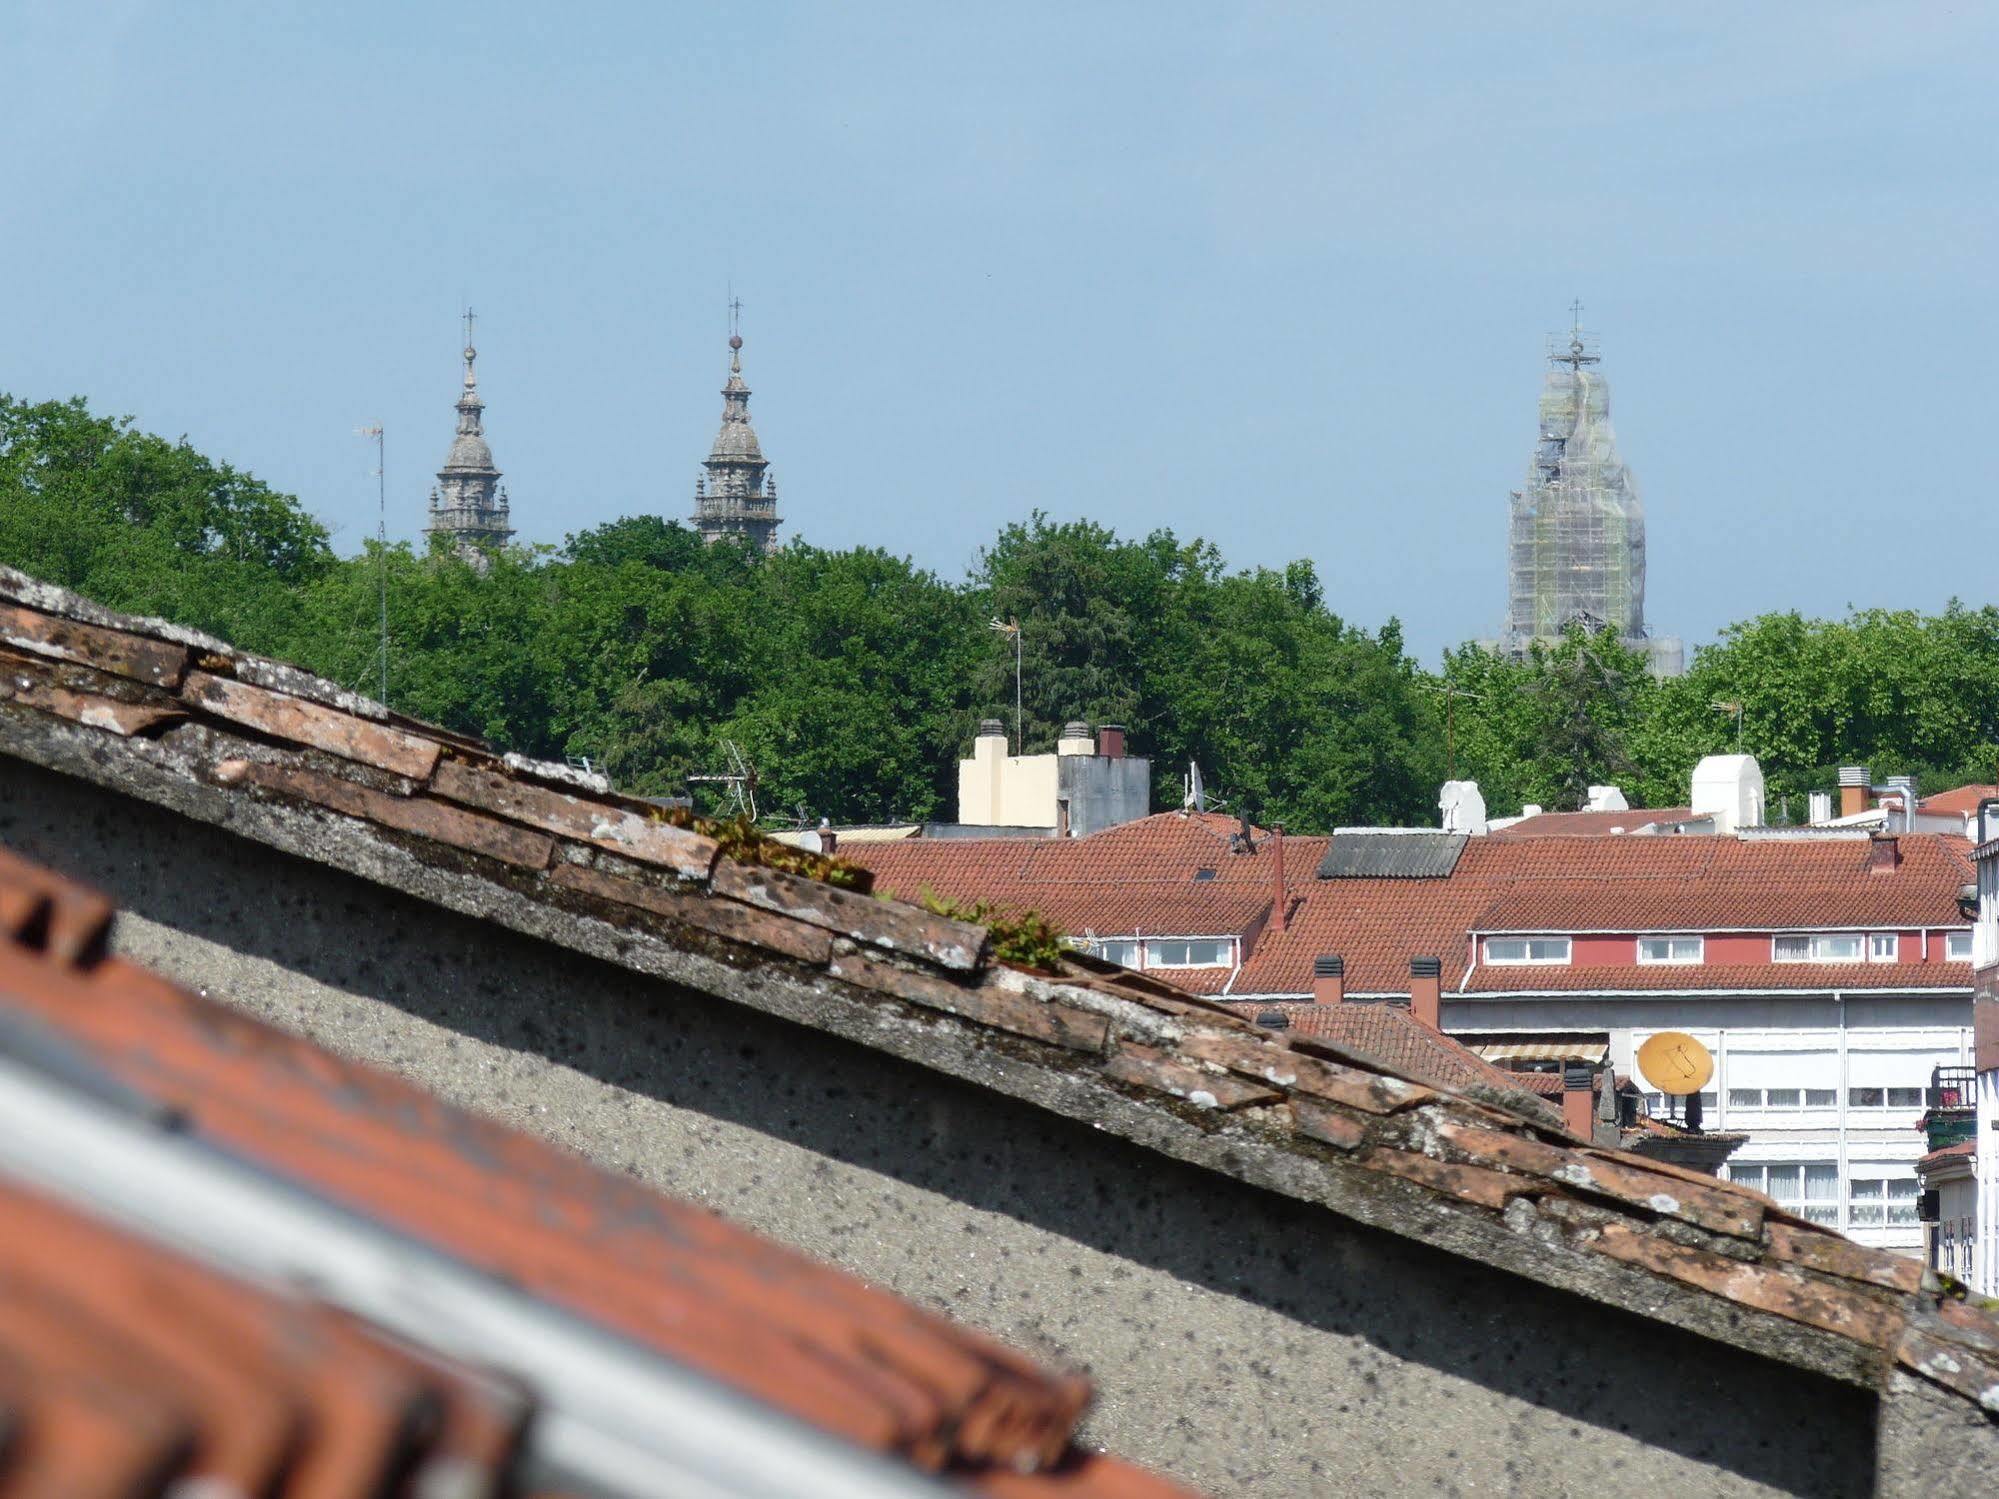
[{"x": 1129, "y": 1055}]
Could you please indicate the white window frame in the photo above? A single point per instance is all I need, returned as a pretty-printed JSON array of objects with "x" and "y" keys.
[
  {"x": 1786, "y": 1100},
  {"x": 1527, "y": 956},
  {"x": 1896, "y": 1209},
  {"x": 1887, "y": 1104},
  {"x": 1884, "y": 947},
  {"x": 1814, "y": 945},
  {"x": 1155, "y": 959},
  {"x": 1757, "y": 1174},
  {"x": 1957, "y": 947},
  {"x": 1697, "y": 957},
  {"x": 1100, "y": 947}
]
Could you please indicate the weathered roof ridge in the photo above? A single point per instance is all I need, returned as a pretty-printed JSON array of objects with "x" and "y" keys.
[{"x": 258, "y": 749}]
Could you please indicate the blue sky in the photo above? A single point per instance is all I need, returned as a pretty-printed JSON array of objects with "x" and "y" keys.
[{"x": 1279, "y": 276}]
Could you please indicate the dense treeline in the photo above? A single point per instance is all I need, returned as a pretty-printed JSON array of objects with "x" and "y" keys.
[{"x": 853, "y": 680}]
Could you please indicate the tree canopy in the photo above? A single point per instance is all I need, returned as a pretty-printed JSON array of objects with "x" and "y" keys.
[{"x": 853, "y": 680}]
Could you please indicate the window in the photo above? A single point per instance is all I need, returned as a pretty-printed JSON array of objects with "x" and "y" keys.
[
  {"x": 1769, "y": 1079},
  {"x": 1527, "y": 949},
  {"x": 1783, "y": 1098},
  {"x": 1817, "y": 947},
  {"x": 1888, "y": 1079},
  {"x": 1882, "y": 947},
  {"x": 1670, "y": 949},
  {"x": 1188, "y": 952},
  {"x": 1806, "y": 1188},
  {"x": 1881, "y": 1202},
  {"x": 1203, "y": 873},
  {"x": 1123, "y": 953},
  {"x": 1659, "y": 1106},
  {"x": 1957, "y": 947},
  {"x": 1884, "y": 1098}
]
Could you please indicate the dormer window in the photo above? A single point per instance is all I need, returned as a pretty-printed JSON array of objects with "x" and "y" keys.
[
  {"x": 1502, "y": 951},
  {"x": 1817, "y": 947},
  {"x": 1682, "y": 950}
]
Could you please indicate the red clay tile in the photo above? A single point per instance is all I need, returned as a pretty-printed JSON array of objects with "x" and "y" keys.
[
  {"x": 155, "y": 662},
  {"x": 305, "y": 722},
  {"x": 687, "y": 854}
]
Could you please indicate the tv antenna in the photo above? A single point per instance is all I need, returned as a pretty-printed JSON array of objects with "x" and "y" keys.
[
  {"x": 740, "y": 778},
  {"x": 382, "y": 544},
  {"x": 1011, "y": 627},
  {"x": 1196, "y": 799},
  {"x": 1452, "y": 692}
]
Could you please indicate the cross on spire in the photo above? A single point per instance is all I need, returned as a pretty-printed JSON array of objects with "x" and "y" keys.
[{"x": 1577, "y": 354}]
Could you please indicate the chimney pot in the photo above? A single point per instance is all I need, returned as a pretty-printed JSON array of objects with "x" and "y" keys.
[
  {"x": 1110, "y": 741},
  {"x": 991, "y": 728},
  {"x": 1578, "y": 1099},
  {"x": 1426, "y": 998},
  {"x": 1853, "y": 796},
  {"x": 1280, "y": 898},
  {"x": 1329, "y": 981}
]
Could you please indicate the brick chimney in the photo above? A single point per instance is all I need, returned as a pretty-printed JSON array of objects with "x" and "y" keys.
[
  {"x": 1852, "y": 790},
  {"x": 1426, "y": 991},
  {"x": 1278, "y": 898},
  {"x": 1329, "y": 979},
  {"x": 1579, "y": 1099},
  {"x": 1884, "y": 853}
]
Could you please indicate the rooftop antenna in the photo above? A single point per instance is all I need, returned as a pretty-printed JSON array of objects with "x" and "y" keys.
[
  {"x": 740, "y": 778},
  {"x": 1736, "y": 709},
  {"x": 1452, "y": 692},
  {"x": 1012, "y": 627},
  {"x": 1197, "y": 794},
  {"x": 382, "y": 538}
]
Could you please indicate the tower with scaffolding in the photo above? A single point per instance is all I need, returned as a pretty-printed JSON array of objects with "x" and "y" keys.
[{"x": 1576, "y": 540}]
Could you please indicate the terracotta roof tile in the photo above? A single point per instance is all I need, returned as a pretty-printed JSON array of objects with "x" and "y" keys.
[
  {"x": 234, "y": 1378},
  {"x": 1591, "y": 824},
  {"x": 1395, "y": 1040}
]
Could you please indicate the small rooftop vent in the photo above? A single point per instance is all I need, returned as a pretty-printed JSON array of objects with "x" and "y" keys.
[
  {"x": 1328, "y": 965},
  {"x": 1274, "y": 1019}
]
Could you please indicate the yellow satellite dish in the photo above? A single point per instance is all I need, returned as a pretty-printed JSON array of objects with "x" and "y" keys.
[{"x": 1675, "y": 1063}]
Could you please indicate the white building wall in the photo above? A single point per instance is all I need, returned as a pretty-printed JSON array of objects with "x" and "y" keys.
[
  {"x": 1985, "y": 1165},
  {"x": 1813, "y": 1045}
]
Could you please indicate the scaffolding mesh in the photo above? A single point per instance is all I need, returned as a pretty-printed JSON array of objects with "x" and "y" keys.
[{"x": 1576, "y": 545}]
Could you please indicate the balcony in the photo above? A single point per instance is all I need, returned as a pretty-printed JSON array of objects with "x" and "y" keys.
[{"x": 1950, "y": 1106}]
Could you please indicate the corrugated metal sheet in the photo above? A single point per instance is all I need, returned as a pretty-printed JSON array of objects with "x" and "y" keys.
[{"x": 1391, "y": 856}]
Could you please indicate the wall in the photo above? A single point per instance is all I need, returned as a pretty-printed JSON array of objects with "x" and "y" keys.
[
  {"x": 1244, "y": 1340},
  {"x": 1104, "y": 792}
]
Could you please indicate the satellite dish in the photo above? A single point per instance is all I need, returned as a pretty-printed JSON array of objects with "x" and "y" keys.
[
  {"x": 812, "y": 843},
  {"x": 1675, "y": 1063}
]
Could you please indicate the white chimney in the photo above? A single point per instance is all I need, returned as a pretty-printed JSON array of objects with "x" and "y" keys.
[
  {"x": 1606, "y": 799},
  {"x": 1729, "y": 789},
  {"x": 1463, "y": 808}
]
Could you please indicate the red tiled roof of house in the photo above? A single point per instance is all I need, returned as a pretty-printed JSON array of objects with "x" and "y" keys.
[
  {"x": 1612, "y": 884},
  {"x": 1590, "y": 824},
  {"x": 1398, "y": 1041},
  {"x": 1141, "y": 876},
  {"x": 157, "y": 714},
  {"x": 1962, "y": 800}
]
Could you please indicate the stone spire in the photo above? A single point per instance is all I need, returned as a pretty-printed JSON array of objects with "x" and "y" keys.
[
  {"x": 467, "y": 502},
  {"x": 736, "y": 496}
]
